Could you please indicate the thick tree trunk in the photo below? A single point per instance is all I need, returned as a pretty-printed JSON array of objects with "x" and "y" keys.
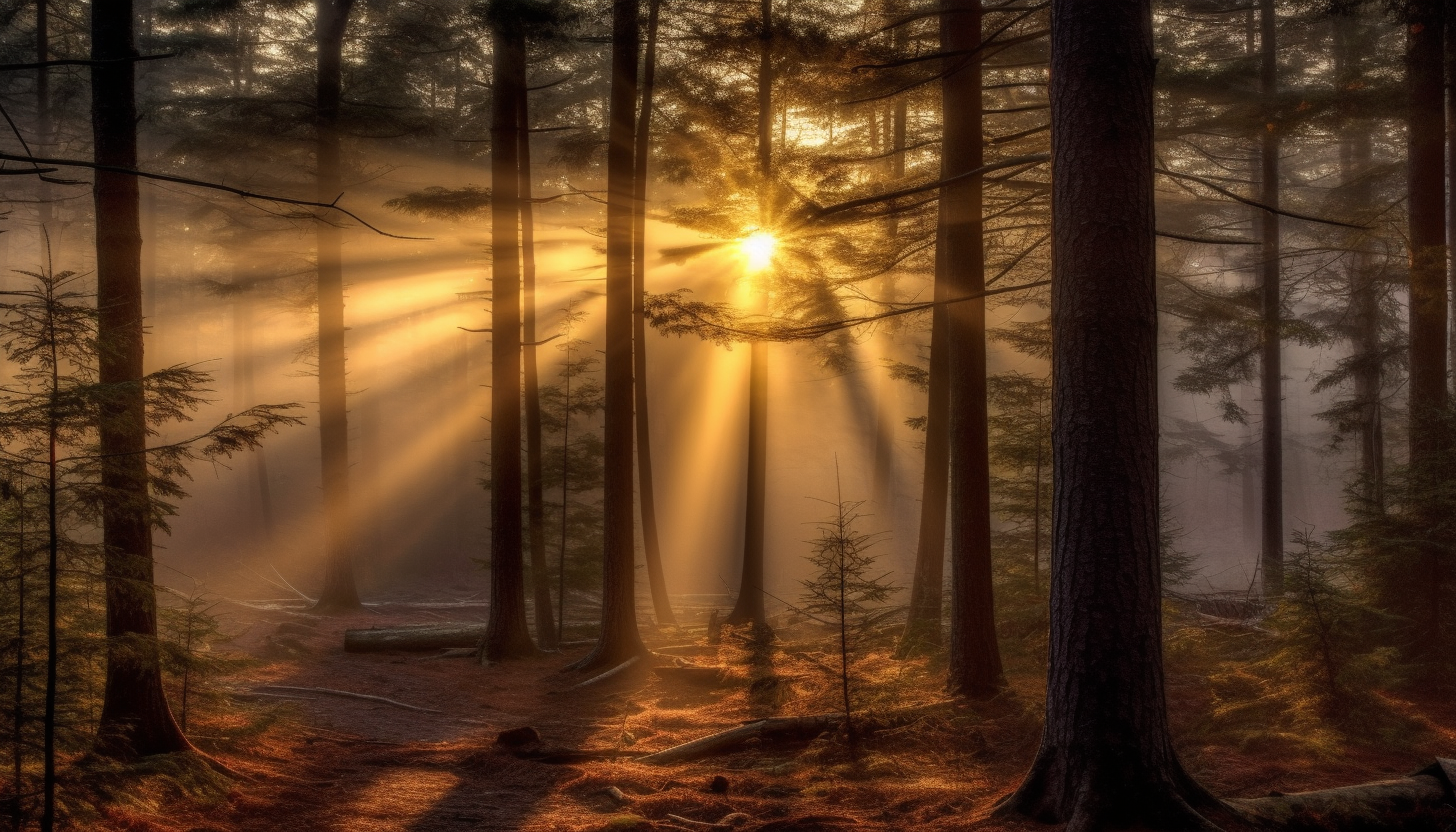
[
  {"x": 619, "y": 639},
  {"x": 1271, "y": 552},
  {"x": 975, "y": 659},
  {"x": 507, "y": 636},
  {"x": 339, "y": 592},
  {"x": 535, "y": 496},
  {"x": 135, "y": 719},
  {"x": 651, "y": 546},
  {"x": 1106, "y": 759},
  {"x": 749, "y": 608},
  {"x": 1427, "y": 383},
  {"x": 922, "y": 625}
]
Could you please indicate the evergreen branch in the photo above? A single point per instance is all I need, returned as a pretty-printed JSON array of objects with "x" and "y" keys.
[{"x": 198, "y": 183}]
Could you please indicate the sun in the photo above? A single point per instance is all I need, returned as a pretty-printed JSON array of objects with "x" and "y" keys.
[{"x": 758, "y": 249}]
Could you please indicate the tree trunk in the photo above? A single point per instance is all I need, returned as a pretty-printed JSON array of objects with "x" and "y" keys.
[
  {"x": 619, "y": 639},
  {"x": 1425, "y": 74},
  {"x": 413, "y": 639},
  {"x": 339, "y": 592},
  {"x": 1364, "y": 286},
  {"x": 1271, "y": 552},
  {"x": 651, "y": 547},
  {"x": 922, "y": 625},
  {"x": 507, "y": 636},
  {"x": 1106, "y": 759},
  {"x": 42, "y": 112},
  {"x": 535, "y": 497},
  {"x": 135, "y": 719},
  {"x": 975, "y": 660},
  {"x": 749, "y": 609}
]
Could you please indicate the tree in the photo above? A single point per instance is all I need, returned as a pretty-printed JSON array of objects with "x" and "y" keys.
[
  {"x": 748, "y": 608},
  {"x": 135, "y": 719},
  {"x": 619, "y": 638},
  {"x": 651, "y": 546},
  {"x": 339, "y": 592},
  {"x": 506, "y": 635},
  {"x": 845, "y": 588},
  {"x": 975, "y": 659},
  {"x": 1106, "y": 759},
  {"x": 1271, "y": 373}
]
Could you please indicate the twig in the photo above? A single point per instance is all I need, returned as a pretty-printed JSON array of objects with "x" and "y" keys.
[
  {"x": 608, "y": 675},
  {"x": 349, "y": 695}
]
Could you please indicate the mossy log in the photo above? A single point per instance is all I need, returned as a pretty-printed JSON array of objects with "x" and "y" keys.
[
  {"x": 419, "y": 639},
  {"x": 1405, "y": 803}
]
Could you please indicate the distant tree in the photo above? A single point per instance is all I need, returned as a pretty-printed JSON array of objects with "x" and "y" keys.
[
  {"x": 1021, "y": 438},
  {"x": 1106, "y": 758},
  {"x": 339, "y": 592}
]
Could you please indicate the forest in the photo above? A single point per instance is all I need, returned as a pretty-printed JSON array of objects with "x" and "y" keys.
[{"x": 781, "y": 415}]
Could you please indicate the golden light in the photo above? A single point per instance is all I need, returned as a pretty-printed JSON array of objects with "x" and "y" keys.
[{"x": 758, "y": 249}]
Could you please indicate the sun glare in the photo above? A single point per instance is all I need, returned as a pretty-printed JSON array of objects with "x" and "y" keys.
[{"x": 758, "y": 249}]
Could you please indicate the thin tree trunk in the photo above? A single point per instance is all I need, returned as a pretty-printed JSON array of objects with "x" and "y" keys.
[
  {"x": 1271, "y": 556},
  {"x": 135, "y": 719},
  {"x": 1106, "y": 759},
  {"x": 535, "y": 497},
  {"x": 17, "y": 813},
  {"x": 749, "y": 608},
  {"x": 975, "y": 659},
  {"x": 339, "y": 592},
  {"x": 1364, "y": 288},
  {"x": 42, "y": 112},
  {"x": 507, "y": 635},
  {"x": 53, "y": 568},
  {"x": 922, "y": 626},
  {"x": 619, "y": 639},
  {"x": 651, "y": 546}
]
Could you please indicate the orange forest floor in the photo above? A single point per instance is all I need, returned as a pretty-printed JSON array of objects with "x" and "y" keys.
[{"x": 323, "y": 762}]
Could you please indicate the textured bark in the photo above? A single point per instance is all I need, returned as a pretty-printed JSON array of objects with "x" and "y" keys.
[
  {"x": 339, "y": 592},
  {"x": 1106, "y": 760},
  {"x": 535, "y": 497},
  {"x": 1271, "y": 551},
  {"x": 1420, "y": 801},
  {"x": 922, "y": 626},
  {"x": 135, "y": 718},
  {"x": 975, "y": 659},
  {"x": 507, "y": 636},
  {"x": 749, "y": 609},
  {"x": 619, "y": 639},
  {"x": 646, "y": 492}
]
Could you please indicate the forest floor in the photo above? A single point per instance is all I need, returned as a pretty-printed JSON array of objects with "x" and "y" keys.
[{"x": 325, "y": 762}]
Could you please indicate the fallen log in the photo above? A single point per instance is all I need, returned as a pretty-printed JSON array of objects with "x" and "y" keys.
[
  {"x": 1407, "y": 802},
  {"x": 610, "y": 674},
  {"x": 421, "y": 639},
  {"x": 733, "y": 737}
]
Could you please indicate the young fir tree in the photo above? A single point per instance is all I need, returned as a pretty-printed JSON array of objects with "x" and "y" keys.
[{"x": 847, "y": 589}]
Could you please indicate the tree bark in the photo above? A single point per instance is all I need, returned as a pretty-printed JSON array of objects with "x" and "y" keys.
[
  {"x": 646, "y": 492},
  {"x": 922, "y": 625},
  {"x": 975, "y": 659},
  {"x": 535, "y": 496},
  {"x": 135, "y": 719},
  {"x": 507, "y": 636},
  {"x": 1106, "y": 759},
  {"x": 339, "y": 592},
  {"x": 1427, "y": 382},
  {"x": 619, "y": 639},
  {"x": 1271, "y": 553},
  {"x": 749, "y": 607}
]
